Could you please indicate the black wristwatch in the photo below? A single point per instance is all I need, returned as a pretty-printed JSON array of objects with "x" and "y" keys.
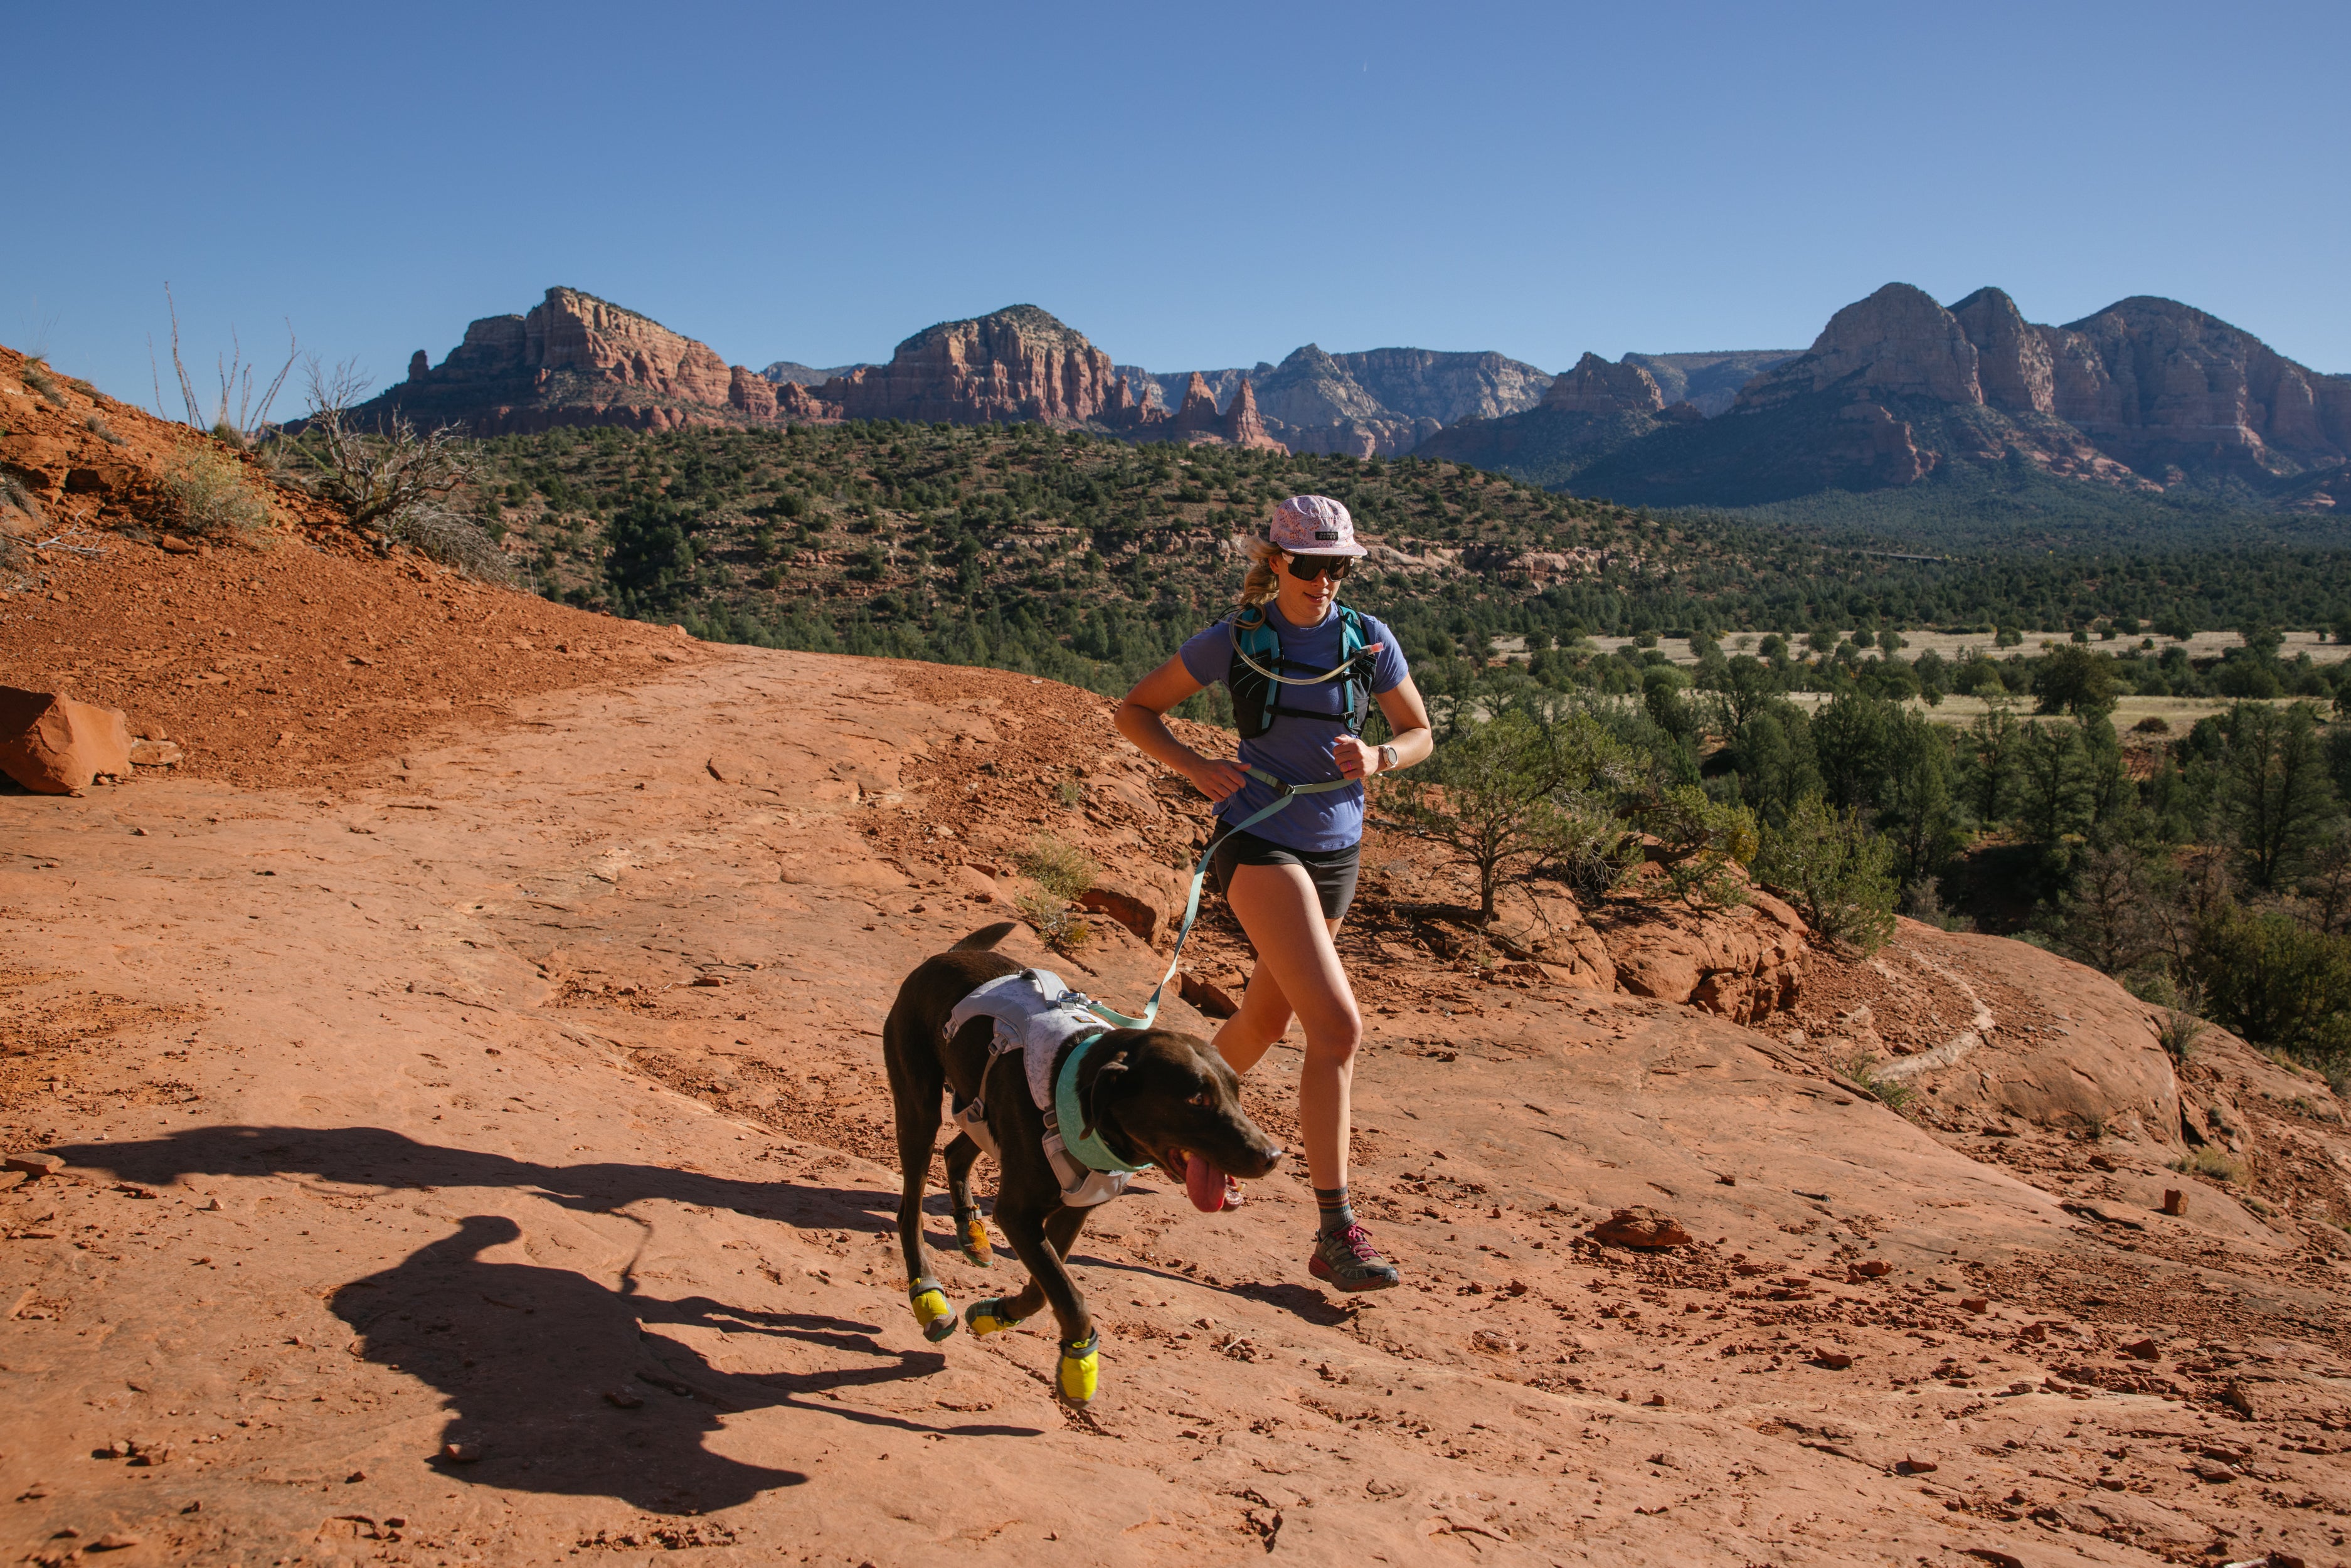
[{"x": 1388, "y": 758}]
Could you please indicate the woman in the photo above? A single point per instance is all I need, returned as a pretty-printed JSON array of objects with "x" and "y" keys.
[{"x": 1289, "y": 876}]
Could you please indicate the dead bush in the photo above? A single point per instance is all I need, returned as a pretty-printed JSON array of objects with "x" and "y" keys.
[{"x": 450, "y": 538}]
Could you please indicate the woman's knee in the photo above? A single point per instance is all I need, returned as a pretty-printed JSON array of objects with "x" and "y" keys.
[{"x": 1334, "y": 1033}]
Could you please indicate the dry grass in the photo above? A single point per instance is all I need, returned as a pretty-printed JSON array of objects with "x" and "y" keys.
[
  {"x": 2208, "y": 1161},
  {"x": 212, "y": 493},
  {"x": 1062, "y": 870}
]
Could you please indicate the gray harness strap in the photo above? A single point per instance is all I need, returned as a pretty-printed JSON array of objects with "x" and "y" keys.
[{"x": 1039, "y": 1018}]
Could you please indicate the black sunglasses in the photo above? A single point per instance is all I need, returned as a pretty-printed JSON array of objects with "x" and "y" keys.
[{"x": 1307, "y": 567}]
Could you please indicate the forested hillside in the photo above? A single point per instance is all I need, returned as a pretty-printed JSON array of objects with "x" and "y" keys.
[{"x": 1089, "y": 559}]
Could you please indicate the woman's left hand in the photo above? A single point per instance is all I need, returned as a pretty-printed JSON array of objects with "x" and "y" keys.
[{"x": 1355, "y": 759}]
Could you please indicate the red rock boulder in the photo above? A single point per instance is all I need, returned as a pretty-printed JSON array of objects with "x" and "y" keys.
[{"x": 52, "y": 745}]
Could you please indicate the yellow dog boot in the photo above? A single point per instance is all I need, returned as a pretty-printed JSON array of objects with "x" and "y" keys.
[
  {"x": 990, "y": 1316},
  {"x": 973, "y": 1235},
  {"x": 932, "y": 1309},
  {"x": 1080, "y": 1368}
]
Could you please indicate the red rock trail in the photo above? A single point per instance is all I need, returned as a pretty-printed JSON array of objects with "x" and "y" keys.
[{"x": 527, "y": 1097}]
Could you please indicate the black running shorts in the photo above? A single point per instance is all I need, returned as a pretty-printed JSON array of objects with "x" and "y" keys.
[{"x": 1332, "y": 871}]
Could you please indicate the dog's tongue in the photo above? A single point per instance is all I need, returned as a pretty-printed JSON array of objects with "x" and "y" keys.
[{"x": 1204, "y": 1184}]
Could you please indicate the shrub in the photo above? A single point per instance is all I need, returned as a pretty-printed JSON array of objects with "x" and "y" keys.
[
  {"x": 450, "y": 538},
  {"x": 2277, "y": 982},
  {"x": 1516, "y": 794},
  {"x": 1838, "y": 873},
  {"x": 2208, "y": 1161},
  {"x": 35, "y": 374},
  {"x": 95, "y": 424},
  {"x": 1703, "y": 840},
  {"x": 1062, "y": 870},
  {"x": 1890, "y": 1093},
  {"x": 212, "y": 493},
  {"x": 2153, "y": 723},
  {"x": 1049, "y": 918}
]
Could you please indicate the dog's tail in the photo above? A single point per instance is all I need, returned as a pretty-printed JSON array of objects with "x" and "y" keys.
[{"x": 986, "y": 937}]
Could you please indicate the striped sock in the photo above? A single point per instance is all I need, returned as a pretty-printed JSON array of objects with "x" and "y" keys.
[{"x": 1337, "y": 1214}]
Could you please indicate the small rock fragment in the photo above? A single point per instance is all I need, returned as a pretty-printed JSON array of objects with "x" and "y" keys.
[
  {"x": 1916, "y": 1467},
  {"x": 1835, "y": 1360},
  {"x": 34, "y": 1165},
  {"x": 621, "y": 1400},
  {"x": 113, "y": 1541},
  {"x": 1875, "y": 1268},
  {"x": 2142, "y": 1350},
  {"x": 354, "y": 1477},
  {"x": 395, "y": 1521},
  {"x": 2175, "y": 1202},
  {"x": 1975, "y": 1304}
]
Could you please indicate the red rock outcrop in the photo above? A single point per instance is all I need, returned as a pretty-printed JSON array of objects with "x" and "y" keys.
[
  {"x": 1198, "y": 410},
  {"x": 2015, "y": 369},
  {"x": 1018, "y": 363},
  {"x": 574, "y": 360},
  {"x": 1898, "y": 341},
  {"x": 1595, "y": 386},
  {"x": 752, "y": 395},
  {"x": 1744, "y": 964},
  {"x": 2159, "y": 384}
]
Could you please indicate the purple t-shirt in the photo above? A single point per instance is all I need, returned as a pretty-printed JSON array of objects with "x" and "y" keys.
[{"x": 1298, "y": 750}]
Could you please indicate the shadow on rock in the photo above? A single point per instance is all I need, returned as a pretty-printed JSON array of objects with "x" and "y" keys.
[
  {"x": 558, "y": 1384},
  {"x": 376, "y": 1157}
]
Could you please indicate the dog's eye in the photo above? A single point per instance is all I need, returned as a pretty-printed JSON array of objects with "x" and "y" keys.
[{"x": 1205, "y": 1099}]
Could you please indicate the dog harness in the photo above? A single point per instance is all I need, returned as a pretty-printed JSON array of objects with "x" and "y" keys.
[{"x": 1052, "y": 1029}]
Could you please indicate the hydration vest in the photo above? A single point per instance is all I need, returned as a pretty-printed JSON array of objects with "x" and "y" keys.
[{"x": 1259, "y": 672}]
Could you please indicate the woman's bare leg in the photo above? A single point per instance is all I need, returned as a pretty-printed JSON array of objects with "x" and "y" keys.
[
  {"x": 1278, "y": 906},
  {"x": 1264, "y": 1018}
]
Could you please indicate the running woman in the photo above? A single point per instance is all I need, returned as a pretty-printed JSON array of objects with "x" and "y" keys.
[{"x": 1299, "y": 698}]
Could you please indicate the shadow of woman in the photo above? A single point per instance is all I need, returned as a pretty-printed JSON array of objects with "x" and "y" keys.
[{"x": 527, "y": 1357}]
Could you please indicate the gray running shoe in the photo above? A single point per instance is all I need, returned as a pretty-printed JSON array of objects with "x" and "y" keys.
[{"x": 1347, "y": 1260}]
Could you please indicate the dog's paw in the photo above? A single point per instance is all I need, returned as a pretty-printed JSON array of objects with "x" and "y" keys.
[
  {"x": 976, "y": 1249},
  {"x": 932, "y": 1309},
  {"x": 987, "y": 1317},
  {"x": 1080, "y": 1369}
]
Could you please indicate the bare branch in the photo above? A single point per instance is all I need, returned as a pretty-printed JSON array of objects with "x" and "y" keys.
[
  {"x": 389, "y": 477},
  {"x": 187, "y": 388}
]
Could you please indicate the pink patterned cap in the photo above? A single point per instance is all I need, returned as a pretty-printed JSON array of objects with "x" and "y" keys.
[{"x": 1314, "y": 525}]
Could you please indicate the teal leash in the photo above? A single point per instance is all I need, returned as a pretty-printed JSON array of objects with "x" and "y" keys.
[{"x": 1199, "y": 878}]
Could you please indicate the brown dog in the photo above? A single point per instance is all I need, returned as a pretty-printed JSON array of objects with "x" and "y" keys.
[{"x": 1152, "y": 1095}]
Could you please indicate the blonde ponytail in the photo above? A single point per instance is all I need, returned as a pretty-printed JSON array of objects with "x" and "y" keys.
[{"x": 1264, "y": 580}]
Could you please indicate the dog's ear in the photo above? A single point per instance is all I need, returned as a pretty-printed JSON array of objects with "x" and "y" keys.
[{"x": 1092, "y": 1099}]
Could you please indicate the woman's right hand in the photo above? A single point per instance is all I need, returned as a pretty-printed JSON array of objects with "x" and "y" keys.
[{"x": 1215, "y": 778}]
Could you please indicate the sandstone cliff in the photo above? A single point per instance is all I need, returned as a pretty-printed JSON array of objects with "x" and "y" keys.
[
  {"x": 575, "y": 360},
  {"x": 1898, "y": 390},
  {"x": 1709, "y": 382},
  {"x": 2160, "y": 385},
  {"x": 1595, "y": 386},
  {"x": 1377, "y": 401},
  {"x": 1013, "y": 365}
]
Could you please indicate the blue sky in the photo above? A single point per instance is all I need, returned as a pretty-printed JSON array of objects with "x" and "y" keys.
[{"x": 1190, "y": 186}]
